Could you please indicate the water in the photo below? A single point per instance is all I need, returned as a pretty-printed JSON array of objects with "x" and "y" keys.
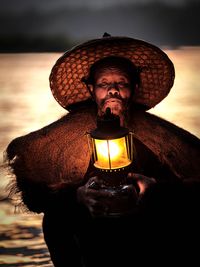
[{"x": 26, "y": 104}]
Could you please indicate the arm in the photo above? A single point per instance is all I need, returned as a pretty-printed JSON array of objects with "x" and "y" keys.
[
  {"x": 177, "y": 200},
  {"x": 40, "y": 197}
]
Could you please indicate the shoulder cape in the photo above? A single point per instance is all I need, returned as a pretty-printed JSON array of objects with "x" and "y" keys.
[{"x": 59, "y": 153}]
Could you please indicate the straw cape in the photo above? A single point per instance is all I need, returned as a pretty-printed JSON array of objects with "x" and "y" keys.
[
  {"x": 58, "y": 153},
  {"x": 155, "y": 68}
]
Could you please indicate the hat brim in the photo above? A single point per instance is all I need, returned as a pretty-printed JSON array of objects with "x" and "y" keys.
[{"x": 156, "y": 70}]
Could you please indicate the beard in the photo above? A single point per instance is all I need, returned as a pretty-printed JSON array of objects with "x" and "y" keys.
[{"x": 118, "y": 105}]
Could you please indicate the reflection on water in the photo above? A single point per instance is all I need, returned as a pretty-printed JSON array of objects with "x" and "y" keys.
[
  {"x": 21, "y": 239},
  {"x": 26, "y": 104}
]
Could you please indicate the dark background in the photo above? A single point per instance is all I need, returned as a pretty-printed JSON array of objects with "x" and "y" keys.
[{"x": 56, "y": 25}]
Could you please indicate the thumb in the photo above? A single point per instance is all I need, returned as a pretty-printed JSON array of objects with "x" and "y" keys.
[{"x": 142, "y": 182}]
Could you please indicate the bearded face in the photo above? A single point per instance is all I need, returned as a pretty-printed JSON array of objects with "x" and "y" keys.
[{"x": 112, "y": 89}]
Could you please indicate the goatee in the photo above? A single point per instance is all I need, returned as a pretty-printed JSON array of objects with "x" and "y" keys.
[{"x": 117, "y": 105}]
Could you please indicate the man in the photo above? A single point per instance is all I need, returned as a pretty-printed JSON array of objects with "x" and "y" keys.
[
  {"x": 54, "y": 173},
  {"x": 112, "y": 82}
]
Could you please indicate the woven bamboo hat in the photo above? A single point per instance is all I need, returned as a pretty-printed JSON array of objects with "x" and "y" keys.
[{"x": 156, "y": 70}]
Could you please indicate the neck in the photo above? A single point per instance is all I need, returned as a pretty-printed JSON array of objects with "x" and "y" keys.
[
  {"x": 122, "y": 120},
  {"x": 122, "y": 115}
]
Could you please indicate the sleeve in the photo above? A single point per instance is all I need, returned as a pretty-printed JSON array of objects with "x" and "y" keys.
[
  {"x": 171, "y": 197},
  {"x": 38, "y": 197},
  {"x": 177, "y": 201}
]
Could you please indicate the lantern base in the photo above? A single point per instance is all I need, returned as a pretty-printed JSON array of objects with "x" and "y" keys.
[{"x": 122, "y": 197}]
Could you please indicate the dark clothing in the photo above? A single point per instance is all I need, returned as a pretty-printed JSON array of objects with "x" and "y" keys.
[
  {"x": 162, "y": 229},
  {"x": 164, "y": 223}
]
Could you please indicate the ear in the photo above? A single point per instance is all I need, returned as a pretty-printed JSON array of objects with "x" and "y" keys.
[
  {"x": 136, "y": 86},
  {"x": 91, "y": 89},
  {"x": 135, "y": 89}
]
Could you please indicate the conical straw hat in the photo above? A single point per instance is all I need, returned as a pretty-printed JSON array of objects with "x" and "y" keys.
[{"x": 156, "y": 70}]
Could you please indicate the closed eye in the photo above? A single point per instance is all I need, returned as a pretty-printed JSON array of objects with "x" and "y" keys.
[
  {"x": 102, "y": 85},
  {"x": 123, "y": 85}
]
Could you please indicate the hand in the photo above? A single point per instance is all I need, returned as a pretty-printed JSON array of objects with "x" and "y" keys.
[
  {"x": 102, "y": 200},
  {"x": 142, "y": 182},
  {"x": 93, "y": 198}
]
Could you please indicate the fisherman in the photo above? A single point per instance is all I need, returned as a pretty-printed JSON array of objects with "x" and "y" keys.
[{"x": 53, "y": 169}]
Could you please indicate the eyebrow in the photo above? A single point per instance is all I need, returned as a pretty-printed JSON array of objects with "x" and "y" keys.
[{"x": 102, "y": 79}]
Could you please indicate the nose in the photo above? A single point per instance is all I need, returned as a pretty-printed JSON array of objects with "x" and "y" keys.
[{"x": 113, "y": 90}]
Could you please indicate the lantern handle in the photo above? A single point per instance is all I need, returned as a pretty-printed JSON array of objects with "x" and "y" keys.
[{"x": 133, "y": 149}]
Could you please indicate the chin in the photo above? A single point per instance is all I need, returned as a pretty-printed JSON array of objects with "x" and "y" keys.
[{"x": 116, "y": 107}]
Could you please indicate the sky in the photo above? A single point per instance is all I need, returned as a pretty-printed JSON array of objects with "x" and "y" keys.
[
  {"x": 48, "y": 4},
  {"x": 46, "y": 25}
]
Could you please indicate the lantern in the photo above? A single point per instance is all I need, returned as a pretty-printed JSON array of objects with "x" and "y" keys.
[
  {"x": 112, "y": 154},
  {"x": 111, "y": 145}
]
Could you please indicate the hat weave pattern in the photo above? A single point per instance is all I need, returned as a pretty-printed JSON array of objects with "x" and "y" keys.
[{"x": 156, "y": 70}]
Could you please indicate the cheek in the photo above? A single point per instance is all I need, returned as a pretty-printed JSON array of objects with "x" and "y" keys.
[
  {"x": 125, "y": 93},
  {"x": 99, "y": 95}
]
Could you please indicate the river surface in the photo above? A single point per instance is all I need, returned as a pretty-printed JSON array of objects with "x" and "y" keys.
[{"x": 26, "y": 104}]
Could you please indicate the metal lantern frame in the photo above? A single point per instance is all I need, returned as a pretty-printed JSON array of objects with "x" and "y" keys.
[{"x": 109, "y": 133}]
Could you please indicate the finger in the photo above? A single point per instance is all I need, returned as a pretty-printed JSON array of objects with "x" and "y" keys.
[
  {"x": 133, "y": 179},
  {"x": 135, "y": 176},
  {"x": 93, "y": 182},
  {"x": 141, "y": 182},
  {"x": 139, "y": 177},
  {"x": 84, "y": 194},
  {"x": 100, "y": 194}
]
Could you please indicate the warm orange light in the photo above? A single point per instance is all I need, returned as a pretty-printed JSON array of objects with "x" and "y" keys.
[{"x": 111, "y": 154}]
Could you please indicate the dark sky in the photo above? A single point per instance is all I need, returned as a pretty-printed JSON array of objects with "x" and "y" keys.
[
  {"x": 46, "y": 25},
  {"x": 49, "y": 4}
]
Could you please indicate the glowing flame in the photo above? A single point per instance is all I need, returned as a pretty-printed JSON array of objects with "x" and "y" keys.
[
  {"x": 111, "y": 153},
  {"x": 105, "y": 148}
]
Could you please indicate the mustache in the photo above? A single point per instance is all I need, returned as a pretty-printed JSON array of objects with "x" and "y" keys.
[{"x": 118, "y": 97}]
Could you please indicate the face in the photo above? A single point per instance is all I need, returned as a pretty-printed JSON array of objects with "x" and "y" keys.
[{"x": 112, "y": 89}]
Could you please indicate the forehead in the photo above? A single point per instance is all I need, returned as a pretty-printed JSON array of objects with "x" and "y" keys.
[{"x": 108, "y": 72}]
